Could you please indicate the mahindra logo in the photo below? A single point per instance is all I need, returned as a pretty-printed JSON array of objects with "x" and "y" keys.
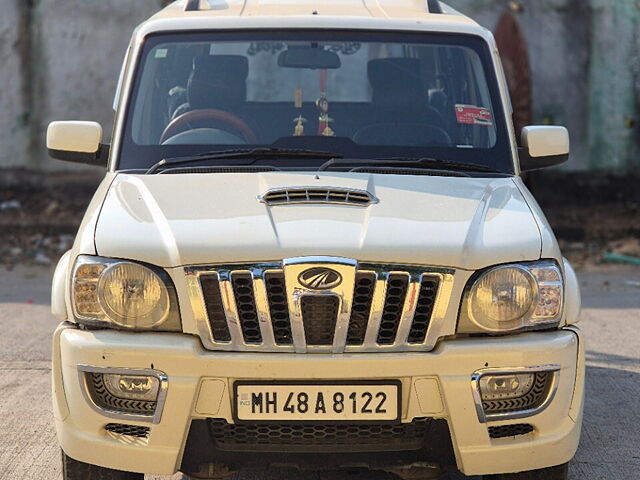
[{"x": 320, "y": 278}]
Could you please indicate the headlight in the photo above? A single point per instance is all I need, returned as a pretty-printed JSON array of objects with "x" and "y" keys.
[
  {"x": 123, "y": 294},
  {"x": 509, "y": 298}
]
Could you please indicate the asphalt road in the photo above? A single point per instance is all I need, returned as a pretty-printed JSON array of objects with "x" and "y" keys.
[{"x": 611, "y": 435}]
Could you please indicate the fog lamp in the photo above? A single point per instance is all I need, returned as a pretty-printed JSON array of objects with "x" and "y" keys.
[
  {"x": 495, "y": 387},
  {"x": 132, "y": 387}
]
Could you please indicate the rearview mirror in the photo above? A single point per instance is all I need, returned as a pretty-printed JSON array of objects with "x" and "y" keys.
[
  {"x": 77, "y": 142},
  {"x": 543, "y": 147},
  {"x": 315, "y": 58}
]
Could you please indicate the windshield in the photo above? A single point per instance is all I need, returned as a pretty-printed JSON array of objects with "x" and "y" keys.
[{"x": 361, "y": 95}]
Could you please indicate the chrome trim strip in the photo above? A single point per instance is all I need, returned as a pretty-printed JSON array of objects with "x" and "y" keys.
[
  {"x": 377, "y": 306},
  {"x": 196, "y": 300},
  {"x": 408, "y": 310},
  {"x": 295, "y": 318},
  {"x": 494, "y": 417},
  {"x": 321, "y": 260},
  {"x": 230, "y": 308},
  {"x": 443, "y": 300},
  {"x": 162, "y": 392},
  {"x": 342, "y": 323},
  {"x": 262, "y": 307}
]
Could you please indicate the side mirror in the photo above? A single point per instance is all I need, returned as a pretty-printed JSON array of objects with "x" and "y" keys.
[
  {"x": 543, "y": 147},
  {"x": 77, "y": 142}
]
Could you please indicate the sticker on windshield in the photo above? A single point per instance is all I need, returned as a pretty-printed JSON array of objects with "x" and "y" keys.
[
  {"x": 472, "y": 115},
  {"x": 161, "y": 53}
]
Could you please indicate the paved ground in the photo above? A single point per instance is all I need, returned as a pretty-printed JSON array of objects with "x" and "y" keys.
[{"x": 611, "y": 436}]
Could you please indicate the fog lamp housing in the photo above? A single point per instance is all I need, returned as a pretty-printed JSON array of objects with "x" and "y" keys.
[
  {"x": 125, "y": 394},
  {"x": 505, "y": 394}
]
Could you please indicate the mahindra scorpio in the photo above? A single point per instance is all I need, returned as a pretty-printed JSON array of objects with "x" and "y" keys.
[{"x": 313, "y": 249}]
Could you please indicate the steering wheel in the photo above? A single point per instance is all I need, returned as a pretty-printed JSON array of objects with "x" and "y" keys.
[{"x": 232, "y": 122}]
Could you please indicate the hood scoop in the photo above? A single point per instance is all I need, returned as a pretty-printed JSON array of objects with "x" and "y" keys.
[{"x": 318, "y": 195}]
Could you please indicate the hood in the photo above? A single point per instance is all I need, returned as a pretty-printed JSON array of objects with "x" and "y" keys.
[{"x": 190, "y": 219}]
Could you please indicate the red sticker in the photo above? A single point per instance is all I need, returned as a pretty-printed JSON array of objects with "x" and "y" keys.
[{"x": 471, "y": 115}]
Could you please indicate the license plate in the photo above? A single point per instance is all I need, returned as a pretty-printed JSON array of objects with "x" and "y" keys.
[{"x": 317, "y": 402}]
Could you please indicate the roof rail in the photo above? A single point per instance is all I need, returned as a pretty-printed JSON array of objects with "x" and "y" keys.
[
  {"x": 434, "y": 6},
  {"x": 191, "y": 5}
]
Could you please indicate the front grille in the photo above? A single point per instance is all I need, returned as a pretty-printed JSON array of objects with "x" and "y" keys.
[
  {"x": 531, "y": 400},
  {"x": 105, "y": 400},
  {"x": 375, "y": 308},
  {"x": 299, "y": 437},
  {"x": 514, "y": 430},
  {"x": 286, "y": 196},
  {"x": 128, "y": 430}
]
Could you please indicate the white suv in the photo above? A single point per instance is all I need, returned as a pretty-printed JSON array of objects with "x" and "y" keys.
[{"x": 313, "y": 248}]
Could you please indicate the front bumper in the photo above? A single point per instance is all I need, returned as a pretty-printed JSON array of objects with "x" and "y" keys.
[{"x": 435, "y": 385}]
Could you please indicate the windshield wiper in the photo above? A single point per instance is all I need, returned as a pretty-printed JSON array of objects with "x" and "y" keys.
[
  {"x": 407, "y": 162},
  {"x": 255, "y": 154}
]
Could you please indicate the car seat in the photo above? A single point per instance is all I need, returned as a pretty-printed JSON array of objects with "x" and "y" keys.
[{"x": 401, "y": 112}]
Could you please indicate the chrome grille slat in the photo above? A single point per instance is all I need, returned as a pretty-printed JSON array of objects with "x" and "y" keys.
[
  {"x": 230, "y": 309},
  {"x": 262, "y": 308},
  {"x": 378, "y": 308},
  {"x": 408, "y": 310}
]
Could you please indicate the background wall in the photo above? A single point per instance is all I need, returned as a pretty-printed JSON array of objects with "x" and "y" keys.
[
  {"x": 60, "y": 59},
  {"x": 13, "y": 124},
  {"x": 585, "y": 63}
]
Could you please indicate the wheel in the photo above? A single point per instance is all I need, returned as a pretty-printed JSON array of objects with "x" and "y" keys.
[
  {"x": 561, "y": 472},
  {"x": 75, "y": 470}
]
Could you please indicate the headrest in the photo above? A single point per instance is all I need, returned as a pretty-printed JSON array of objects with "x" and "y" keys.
[
  {"x": 218, "y": 81},
  {"x": 397, "y": 83}
]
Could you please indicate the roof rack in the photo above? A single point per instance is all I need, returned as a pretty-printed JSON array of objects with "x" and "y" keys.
[
  {"x": 191, "y": 5},
  {"x": 434, "y": 6}
]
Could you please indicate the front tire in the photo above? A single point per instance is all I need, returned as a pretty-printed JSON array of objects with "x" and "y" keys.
[
  {"x": 561, "y": 472},
  {"x": 75, "y": 470}
]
